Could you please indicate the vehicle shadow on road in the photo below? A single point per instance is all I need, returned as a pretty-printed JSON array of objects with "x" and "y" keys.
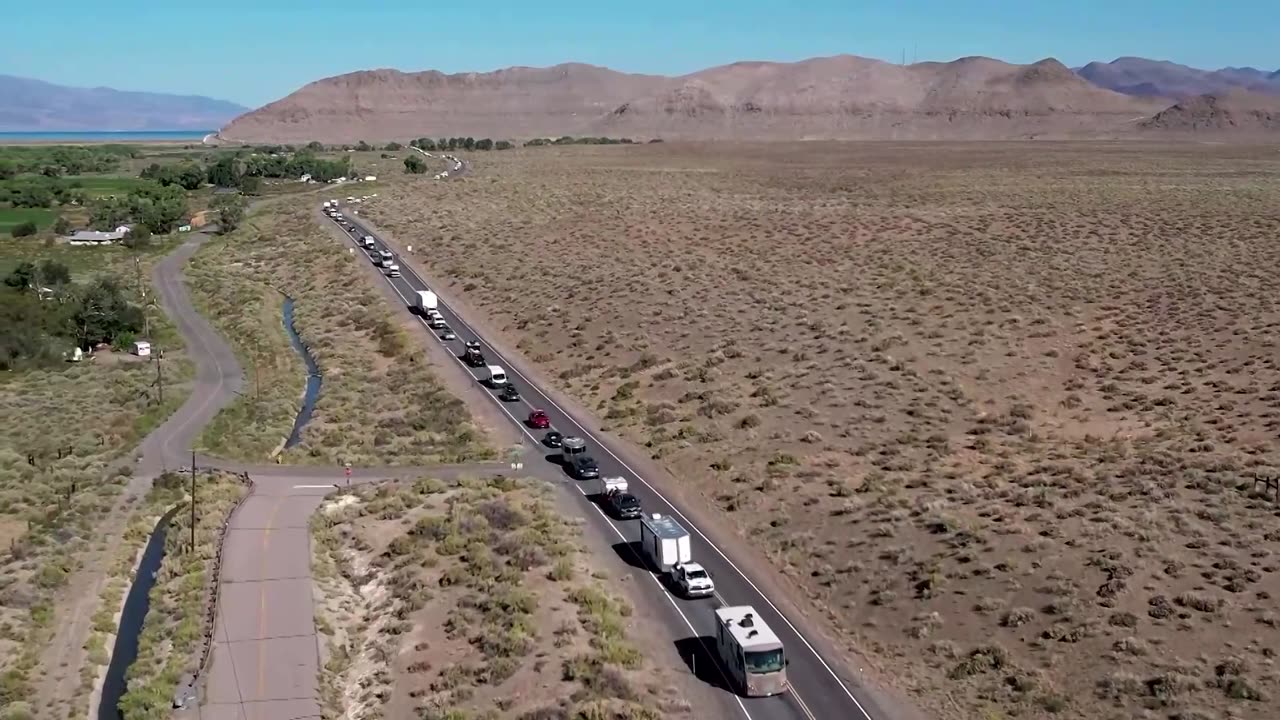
[
  {"x": 630, "y": 554},
  {"x": 555, "y": 458},
  {"x": 699, "y": 657}
]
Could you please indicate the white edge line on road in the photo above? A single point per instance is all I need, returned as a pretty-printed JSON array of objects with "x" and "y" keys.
[
  {"x": 638, "y": 476},
  {"x": 313, "y": 487},
  {"x": 608, "y": 521}
]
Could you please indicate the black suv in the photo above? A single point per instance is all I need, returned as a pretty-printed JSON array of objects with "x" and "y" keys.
[
  {"x": 624, "y": 506},
  {"x": 585, "y": 468},
  {"x": 509, "y": 393}
]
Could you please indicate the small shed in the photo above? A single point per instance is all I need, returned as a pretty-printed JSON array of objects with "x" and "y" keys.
[
  {"x": 142, "y": 348},
  {"x": 370, "y": 178}
]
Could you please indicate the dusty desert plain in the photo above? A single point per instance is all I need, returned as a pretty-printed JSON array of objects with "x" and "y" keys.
[{"x": 995, "y": 410}]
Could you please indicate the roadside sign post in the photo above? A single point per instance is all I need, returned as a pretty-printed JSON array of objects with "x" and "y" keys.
[{"x": 348, "y": 471}]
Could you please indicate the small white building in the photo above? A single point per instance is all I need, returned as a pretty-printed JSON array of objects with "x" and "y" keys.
[
  {"x": 142, "y": 348},
  {"x": 370, "y": 178},
  {"x": 306, "y": 177}
]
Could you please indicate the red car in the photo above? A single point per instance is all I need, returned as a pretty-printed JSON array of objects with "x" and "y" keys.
[{"x": 538, "y": 419}]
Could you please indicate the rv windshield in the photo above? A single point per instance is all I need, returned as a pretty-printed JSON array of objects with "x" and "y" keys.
[{"x": 764, "y": 661}]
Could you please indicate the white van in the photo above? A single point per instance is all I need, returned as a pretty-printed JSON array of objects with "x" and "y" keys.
[
  {"x": 393, "y": 271},
  {"x": 497, "y": 376}
]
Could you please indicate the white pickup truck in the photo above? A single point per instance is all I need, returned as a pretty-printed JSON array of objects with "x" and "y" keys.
[{"x": 693, "y": 580}]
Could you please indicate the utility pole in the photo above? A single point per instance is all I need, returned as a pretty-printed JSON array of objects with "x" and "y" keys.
[
  {"x": 159, "y": 375},
  {"x": 193, "y": 501},
  {"x": 142, "y": 297}
]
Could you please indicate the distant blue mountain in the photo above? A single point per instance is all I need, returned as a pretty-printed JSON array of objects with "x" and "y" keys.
[
  {"x": 1160, "y": 78},
  {"x": 28, "y": 105}
]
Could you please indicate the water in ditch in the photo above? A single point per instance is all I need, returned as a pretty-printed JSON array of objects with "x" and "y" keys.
[
  {"x": 313, "y": 377},
  {"x": 136, "y": 605}
]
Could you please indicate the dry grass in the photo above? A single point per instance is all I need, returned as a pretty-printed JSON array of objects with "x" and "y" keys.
[
  {"x": 65, "y": 430},
  {"x": 472, "y": 601},
  {"x": 379, "y": 403},
  {"x": 172, "y": 634},
  {"x": 996, "y": 408}
]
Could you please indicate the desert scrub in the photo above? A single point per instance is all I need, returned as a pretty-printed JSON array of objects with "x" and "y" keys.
[
  {"x": 474, "y": 589},
  {"x": 1019, "y": 365},
  {"x": 380, "y": 402},
  {"x": 172, "y": 633},
  {"x": 63, "y": 466},
  {"x": 166, "y": 493}
]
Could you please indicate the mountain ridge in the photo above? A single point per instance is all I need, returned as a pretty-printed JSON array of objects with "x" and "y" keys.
[
  {"x": 834, "y": 97},
  {"x": 32, "y": 105}
]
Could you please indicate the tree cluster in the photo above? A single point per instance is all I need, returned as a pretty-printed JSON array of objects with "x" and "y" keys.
[
  {"x": 456, "y": 143},
  {"x": 569, "y": 140},
  {"x": 40, "y": 191},
  {"x": 231, "y": 210},
  {"x": 44, "y": 314},
  {"x": 188, "y": 176},
  {"x": 227, "y": 170},
  {"x": 55, "y": 160},
  {"x": 160, "y": 208}
]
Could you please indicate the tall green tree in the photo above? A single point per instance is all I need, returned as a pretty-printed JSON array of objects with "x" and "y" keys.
[
  {"x": 103, "y": 313},
  {"x": 415, "y": 164},
  {"x": 230, "y": 209}
]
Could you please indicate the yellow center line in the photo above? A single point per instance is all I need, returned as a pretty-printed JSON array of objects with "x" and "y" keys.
[{"x": 262, "y": 601}]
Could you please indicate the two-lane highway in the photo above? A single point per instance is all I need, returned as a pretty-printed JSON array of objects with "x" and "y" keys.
[{"x": 818, "y": 689}]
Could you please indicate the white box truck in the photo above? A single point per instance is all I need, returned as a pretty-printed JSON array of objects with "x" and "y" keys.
[
  {"x": 664, "y": 543},
  {"x": 425, "y": 301}
]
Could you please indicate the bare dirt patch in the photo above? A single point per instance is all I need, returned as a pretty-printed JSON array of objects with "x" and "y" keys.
[
  {"x": 997, "y": 409},
  {"x": 475, "y": 600}
]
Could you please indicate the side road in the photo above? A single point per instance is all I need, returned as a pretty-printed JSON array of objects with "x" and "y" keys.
[{"x": 218, "y": 379}]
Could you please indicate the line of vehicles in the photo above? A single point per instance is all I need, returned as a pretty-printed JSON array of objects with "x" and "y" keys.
[{"x": 749, "y": 652}]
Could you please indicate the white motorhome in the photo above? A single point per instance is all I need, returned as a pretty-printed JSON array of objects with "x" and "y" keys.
[
  {"x": 664, "y": 543},
  {"x": 385, "y": 258},
  {"x": 497, "y": 377},
  {"x": 750, "y": 652}
]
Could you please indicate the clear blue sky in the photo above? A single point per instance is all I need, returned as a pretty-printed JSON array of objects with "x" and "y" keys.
[{"x": 253, "y": 52}]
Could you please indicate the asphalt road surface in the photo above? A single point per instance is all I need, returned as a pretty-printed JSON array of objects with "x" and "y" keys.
[
  {"x": 818, "y": 690},
  {"x": 266, "y": 654},
  {"x": 264, "y": 659}
]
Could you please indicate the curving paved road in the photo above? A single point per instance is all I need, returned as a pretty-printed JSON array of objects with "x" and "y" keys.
[
  {"x": 264, "y": 659},
  {"x": 821, "y": 689}
]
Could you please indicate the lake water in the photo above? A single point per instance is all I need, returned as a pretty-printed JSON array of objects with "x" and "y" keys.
[{"x": 122, "y": 136}]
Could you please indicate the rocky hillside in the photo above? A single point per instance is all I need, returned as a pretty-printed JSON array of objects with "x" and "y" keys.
[
  {"x": 1238, "y": 112},
  {"x": 835, "y": 97}
]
